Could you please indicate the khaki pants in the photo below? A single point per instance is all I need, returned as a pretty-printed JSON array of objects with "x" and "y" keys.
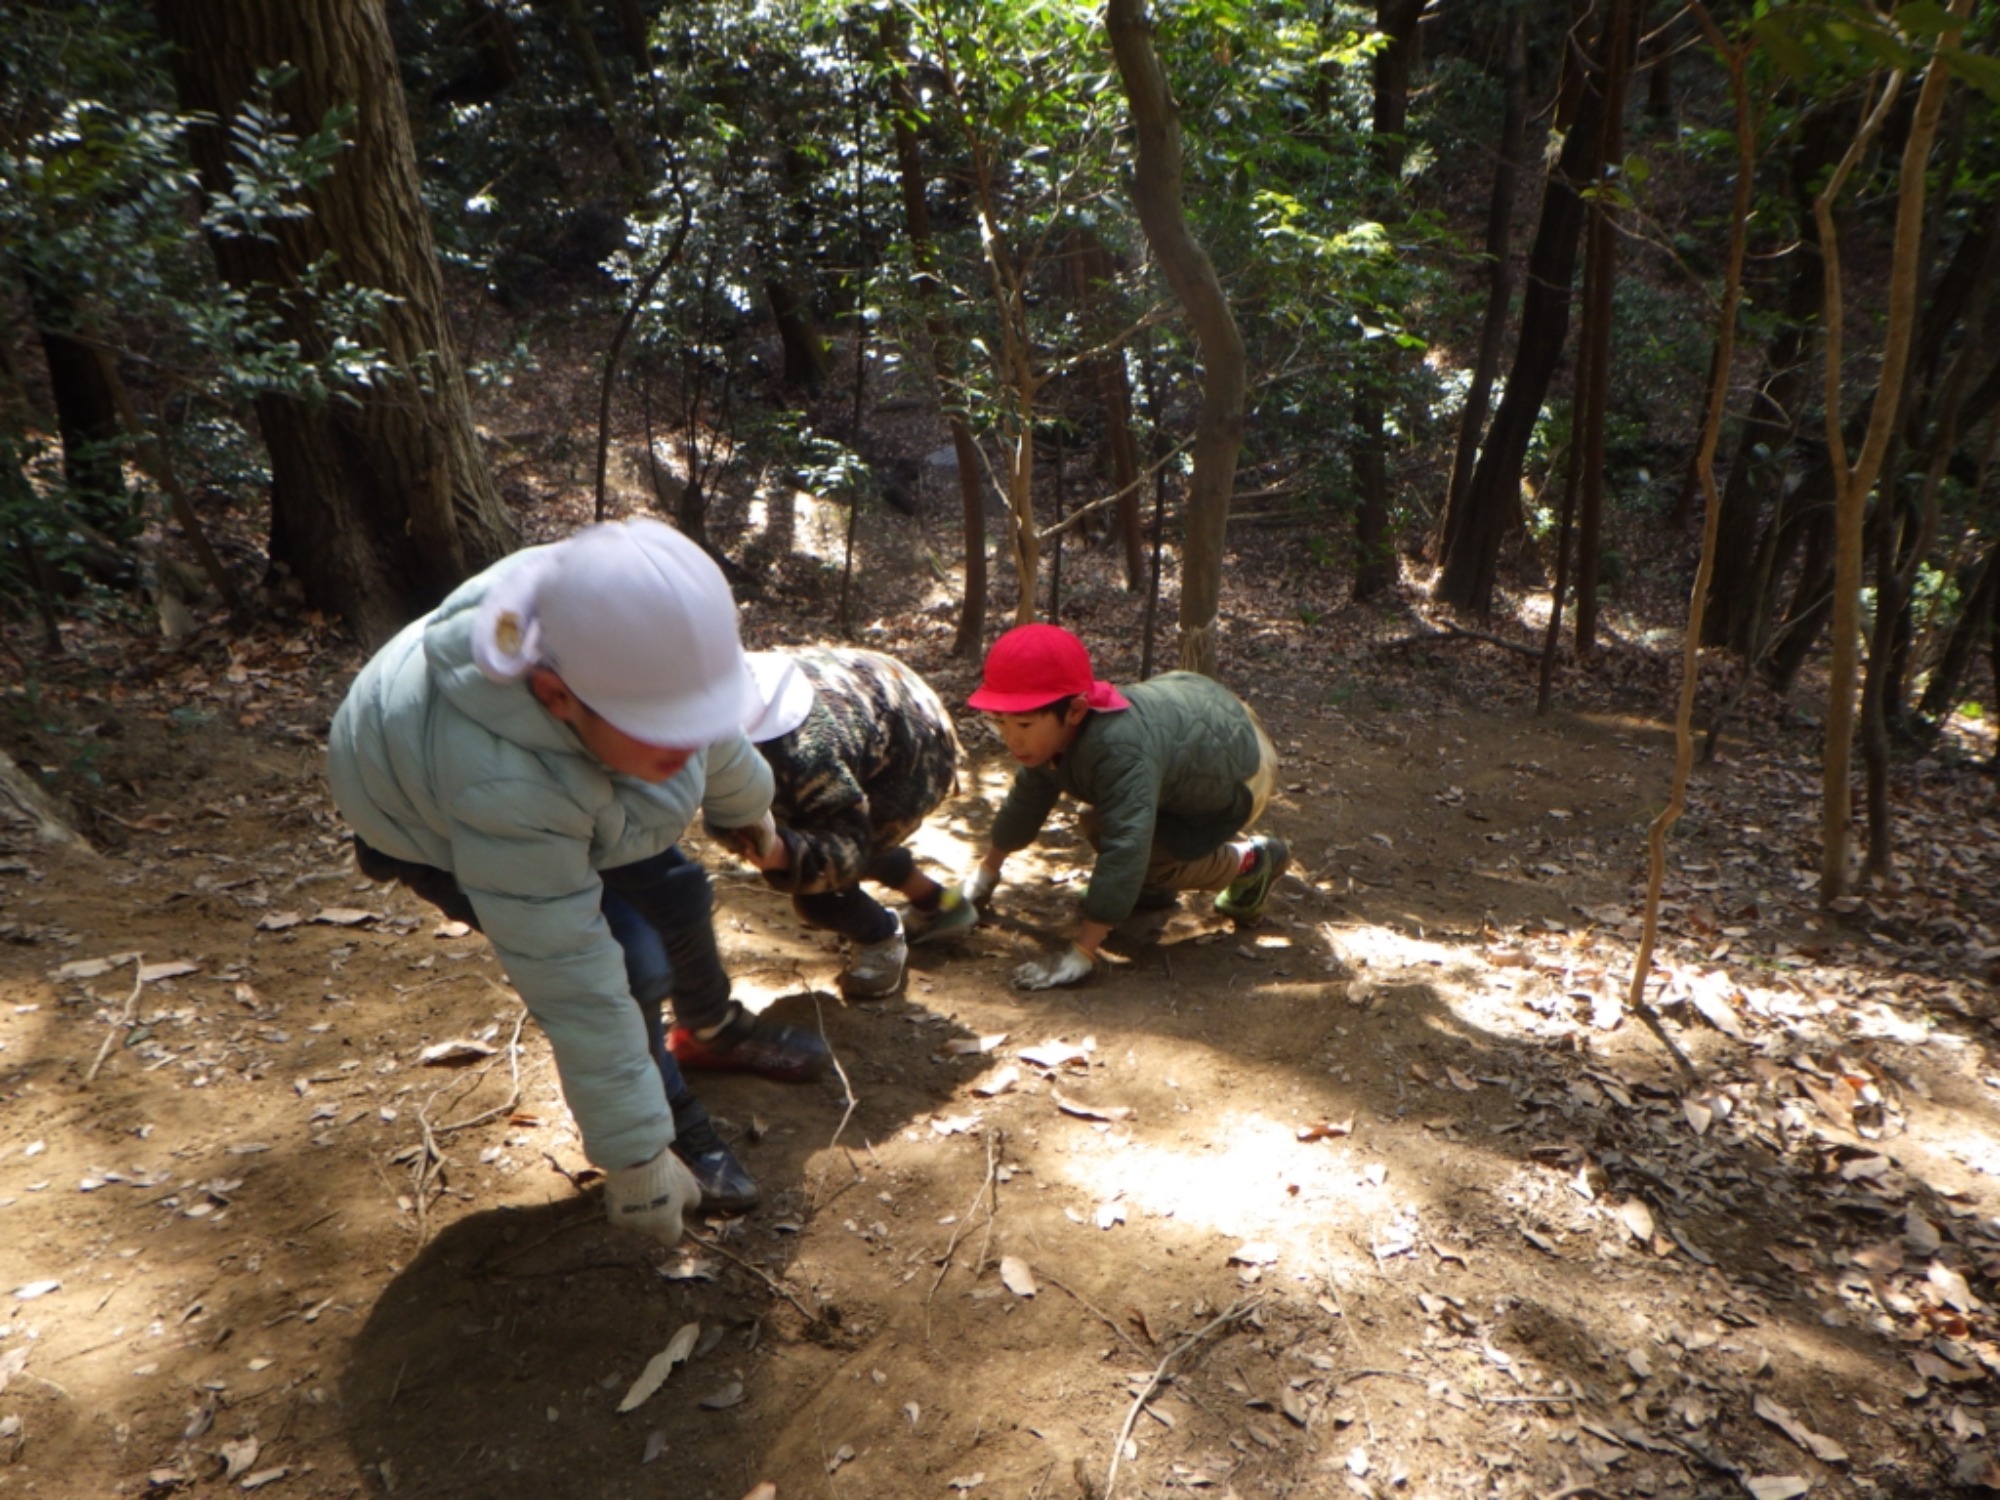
[{"x": 1215, "y": 870}]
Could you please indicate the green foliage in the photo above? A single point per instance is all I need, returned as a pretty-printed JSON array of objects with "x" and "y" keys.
[{"x": 96, "y": 193}]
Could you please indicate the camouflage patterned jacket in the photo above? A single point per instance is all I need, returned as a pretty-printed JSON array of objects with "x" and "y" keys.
[{"x": 874, "y": 756}]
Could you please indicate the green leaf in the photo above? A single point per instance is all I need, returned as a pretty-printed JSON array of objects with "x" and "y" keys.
[
  {"x": 1982, "y": 72},
  {"x": 1924, "y": 18},
  {"x": 1786, "y": 50}
]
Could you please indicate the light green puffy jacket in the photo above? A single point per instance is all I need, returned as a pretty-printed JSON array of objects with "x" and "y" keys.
[{"x": 431, "y": 761}]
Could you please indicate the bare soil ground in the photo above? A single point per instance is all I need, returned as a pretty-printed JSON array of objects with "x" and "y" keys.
[{"x": 1394, "y": 1196}]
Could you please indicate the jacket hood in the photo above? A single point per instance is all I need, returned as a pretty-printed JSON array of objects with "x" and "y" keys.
[{"x": 509, "y": 710}]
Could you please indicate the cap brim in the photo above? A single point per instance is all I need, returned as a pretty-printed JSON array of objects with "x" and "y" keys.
[
  {"x": 692, "y": 720},
  {"x": 784, "y": 696}
]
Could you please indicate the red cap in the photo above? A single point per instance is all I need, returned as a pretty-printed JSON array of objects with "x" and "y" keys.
[{"x": 1031, "y": 666}]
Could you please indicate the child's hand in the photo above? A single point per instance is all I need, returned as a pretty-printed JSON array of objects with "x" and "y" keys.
[
  {"x": 755, "y": 844},
  {"x": 1067, "y": 967},
  {"x": 653, "y": 1197},
  {"x": 978, "y": 886}
]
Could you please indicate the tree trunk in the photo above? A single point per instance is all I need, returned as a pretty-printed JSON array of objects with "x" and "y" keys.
[
  {"x": 807, "y": 358},
  {"x": 1473, "y": 530},
  {"x": 1853, "y": 482},
  {"x": 970, "y": 640},
  {"x": 80, "y": 379},
  {"x": 1091, "y": 269},
  {"x": 1600, "y": 283},
  {"x": 87, "y": 420},
  {"x": 1156, "y": 193},
  {"x": 1974, "y": 623},
  {"x": 1499, "y": 260},
  {"x": 584, "y": 40},
  {"x": 1374, "y": 541},
  {"x": 380, "y": 506}
]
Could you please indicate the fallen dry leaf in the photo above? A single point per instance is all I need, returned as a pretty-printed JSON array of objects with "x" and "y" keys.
[
  {"x": 661, "y": 1365},
  {"x": 1637, "y": 1219},
  {"x": 972, "y": 1046},
  {"x": 764, "y": 1491},
  {"x": 1775, "y": 1486},
  {"x": 237, "y": 1458},
  {"x": 1825, "y": 1449},
  {"x": 1016, "y": 1277},
  {"x": 1326, "y": 1130},
  {"x": 723, "y": 1398},
  {"x": 997, "y": 1082},
  {"x": 1055, "y": 1054},
  {"x": 1254, "y": 1253},
  {"x": 1084, "y": 1111},
  {"x": 455, "y": 1053},
  {"x": 344, "y": 916}
]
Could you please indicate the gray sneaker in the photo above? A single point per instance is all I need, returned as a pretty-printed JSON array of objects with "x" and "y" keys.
[{"x": 877, "y": 968}]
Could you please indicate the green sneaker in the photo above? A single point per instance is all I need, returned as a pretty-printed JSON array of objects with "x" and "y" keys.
[
  {"x": 953, "y": 916},
  {"x": 1244, "y": 900}
]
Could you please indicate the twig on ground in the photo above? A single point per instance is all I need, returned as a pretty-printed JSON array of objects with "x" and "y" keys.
[
  {"x": 951, "y": 1246},
  {"x": 755, "y": 1270},
  {"x": 513, "y": 1099},
  {"x": 124, "y": 1016},
  {"x": 430, "y": 1157},
  {"x": 1158, "y": 1378},
  {"x": 1101, "y": 1315},
  {"x": 485, "y": 1267},
  {"x": 846, "y": 1086}
]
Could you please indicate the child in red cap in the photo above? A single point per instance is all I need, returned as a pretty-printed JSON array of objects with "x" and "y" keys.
[{"x": 1172, "y": 771}]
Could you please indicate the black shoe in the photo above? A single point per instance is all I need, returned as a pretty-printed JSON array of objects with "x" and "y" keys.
[
  {"x": 753, "y": 1044},
  {"x": 726, "y": 1184}
]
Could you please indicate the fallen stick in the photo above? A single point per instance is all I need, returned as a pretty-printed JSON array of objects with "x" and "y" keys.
[
  {"x": 951, "y": 1246},
  {"x": 124, "y": 1018},
  {"x": 1158, "y": 1379}
]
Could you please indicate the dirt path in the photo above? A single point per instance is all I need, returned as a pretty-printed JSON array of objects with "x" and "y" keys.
[{"x": 1390, "y": 1197}]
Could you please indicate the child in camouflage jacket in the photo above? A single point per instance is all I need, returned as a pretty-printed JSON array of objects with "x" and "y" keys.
[{"x": 861, "y": 751}]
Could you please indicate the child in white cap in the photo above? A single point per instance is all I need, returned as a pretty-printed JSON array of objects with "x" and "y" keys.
[
  {"x": 862, "y": 751},
  {"x": 526, "y": 757}
]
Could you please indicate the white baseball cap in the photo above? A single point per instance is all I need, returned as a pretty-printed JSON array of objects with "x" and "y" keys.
[
  {"x": 784, "y": 696},
  {"x": 638, "y": 622}
]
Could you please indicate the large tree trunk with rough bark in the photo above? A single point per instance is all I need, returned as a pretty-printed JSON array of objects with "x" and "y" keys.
[
  {"x": 1156, "y": 192},
  {"x": 380, "y": 506}
]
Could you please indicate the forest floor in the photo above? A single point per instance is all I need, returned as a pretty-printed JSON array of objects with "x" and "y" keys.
[{"x": 1393, "y": 1196}]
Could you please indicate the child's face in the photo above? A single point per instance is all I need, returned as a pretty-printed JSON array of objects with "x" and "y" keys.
[
  {"x": 1035, "y": 739},
  {"x": 620, "y": 752},
  {"x": 613, "y": 747}
]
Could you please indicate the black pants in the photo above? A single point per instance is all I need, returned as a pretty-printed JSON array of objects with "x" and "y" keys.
[{"x": 851, "y": 911}]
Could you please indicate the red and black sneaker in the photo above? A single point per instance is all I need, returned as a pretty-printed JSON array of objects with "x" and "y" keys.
[{"x": 753, "y": 1044}]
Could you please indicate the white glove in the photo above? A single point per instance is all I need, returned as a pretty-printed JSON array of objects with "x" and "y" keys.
[
  {"x": 979, "y": 885},
  {"x": 652, "y": 1198},
  {"x": 1066, "y": 967}
]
